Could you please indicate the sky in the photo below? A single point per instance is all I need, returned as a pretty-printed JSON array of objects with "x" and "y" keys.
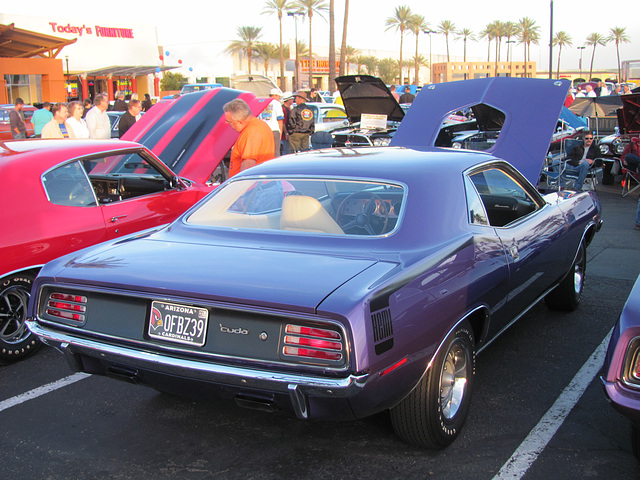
[{"x": 198, "y": 30}]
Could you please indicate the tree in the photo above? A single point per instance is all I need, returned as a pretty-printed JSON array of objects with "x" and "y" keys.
[
  {"x": 618, "y": 35},
  {"x": 446, "y": 27},
  {"x": 172, "y": 81},
  {"x": 371, "y": 63},
  {"x": 387, "y": 69},
  {"x": 509, "y": 29},
  {"x": 309, "y": 7},
  {"x": 528, "y": 33},
  {"x": 267, "y": 52},
  {"x": 343, "y": 45},
  {"x": 594, "y": 40},
  {"x": 400, "y": 21},
  {"x": 421, "y": 61},
  {"x": 465, "y": 34},
  {"x": 561, "y": 39},
  {"x": 417, "y": 24},
  {"x": 488, "y": 34},
  {"x": 360, "y": 60},
  {"x": 278, "y": 7},
  {"x": 332, "y": 47},
  {"x": 247, "y": 44},
  {"x": 349, "y": 55}
]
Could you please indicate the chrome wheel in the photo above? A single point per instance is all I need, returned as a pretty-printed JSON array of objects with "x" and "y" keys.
[
  {"x": 453, "y": 380},
  {"x": 13, "y": 312}
]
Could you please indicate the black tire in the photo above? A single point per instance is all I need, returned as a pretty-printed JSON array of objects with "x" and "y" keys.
[
  {"x": 635, "y": 440},
  {"x": 567, "y": 295},
  {"x": 433, "y": 414},
  {"x": 16, "y": 341}
]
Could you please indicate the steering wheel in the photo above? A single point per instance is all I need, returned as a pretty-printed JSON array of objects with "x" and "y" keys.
[{"x": 373, "y": 218}]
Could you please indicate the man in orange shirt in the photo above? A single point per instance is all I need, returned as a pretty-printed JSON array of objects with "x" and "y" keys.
[{"x": 255, "y": 143}]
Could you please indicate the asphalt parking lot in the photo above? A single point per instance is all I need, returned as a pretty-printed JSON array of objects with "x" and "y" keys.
[{"x": 96, "y": 428}]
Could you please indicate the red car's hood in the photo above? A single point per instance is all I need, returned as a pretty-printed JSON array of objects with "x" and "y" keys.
[
  {"x": 189, "y": 134},
  {"x": 531, "y": 109},
  {"x": 236, "y": 274},
  {"x": 629, "y": 114}
]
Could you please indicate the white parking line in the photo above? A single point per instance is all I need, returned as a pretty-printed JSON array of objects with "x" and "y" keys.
[
  {"x": 543, "y": 432},
  {"x": 44, "y": 389}
]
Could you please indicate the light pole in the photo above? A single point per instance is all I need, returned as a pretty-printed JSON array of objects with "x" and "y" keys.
[
  {"x": 429, "y": 32},
  {"x": 580, "y": 63},
  {"x": 68, "y": 84},
  {"x": 509, "y": 42},
  {"x": 295, "y": 19}
]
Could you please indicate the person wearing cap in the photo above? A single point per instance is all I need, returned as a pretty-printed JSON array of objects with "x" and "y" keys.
[
  {"x": 301, "y": 124},
  {"x": 274, "y": 116},
  {"x": 16, "y": 120},
  {"x": 255, "y": 143},
  {"x": 287, "y": 104}
]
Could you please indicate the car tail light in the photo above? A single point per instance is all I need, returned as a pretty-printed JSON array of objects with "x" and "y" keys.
[
  {"x": 312, "y": 343},
  {"x": 631, "y": 369},
  {"x": 67, "y": 306}
]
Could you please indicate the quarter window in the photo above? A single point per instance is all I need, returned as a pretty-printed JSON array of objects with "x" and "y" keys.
[
  {"x": 68, "y": 185},
  {"x": 505, "y": 200}
]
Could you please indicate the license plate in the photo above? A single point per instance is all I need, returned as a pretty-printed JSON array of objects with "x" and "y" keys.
[{"x": 178, "y": 323}]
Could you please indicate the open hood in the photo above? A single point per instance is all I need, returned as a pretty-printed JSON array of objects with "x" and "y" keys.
[
  {"x": 259, "y": 85},
  {"x": 531, "y": 108},
  {"x": 629, "y": 114},
  {"x": 366, "y": 94},
  {"x": 190, "y": 134}
]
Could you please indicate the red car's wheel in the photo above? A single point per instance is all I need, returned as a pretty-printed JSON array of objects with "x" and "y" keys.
[{"x": 16, "y": 341}]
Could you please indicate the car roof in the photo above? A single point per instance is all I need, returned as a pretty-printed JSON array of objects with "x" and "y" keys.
[
  {"x": 531, "y": 107},
  {"x": 30, "y": 152}
]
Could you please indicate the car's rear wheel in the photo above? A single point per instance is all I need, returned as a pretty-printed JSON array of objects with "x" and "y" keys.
[
  {"x": 567, "y": 295},
  {"x": 16, "y": 341},
  {"x": 433, "y": 414}
]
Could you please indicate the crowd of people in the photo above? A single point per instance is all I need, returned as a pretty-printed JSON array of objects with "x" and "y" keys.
[
  {"x": 78, "y": 119},
  {"x": 602, "y": 90}
]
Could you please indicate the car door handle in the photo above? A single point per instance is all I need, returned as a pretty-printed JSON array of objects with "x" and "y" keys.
[{"x": 116, "y": 218}]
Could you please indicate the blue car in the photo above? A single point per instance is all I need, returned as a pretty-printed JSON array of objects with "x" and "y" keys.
[{"x": 338, "y": 283}]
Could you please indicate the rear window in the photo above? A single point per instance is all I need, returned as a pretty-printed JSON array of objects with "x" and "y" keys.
[{"x": 316, "y": 206}]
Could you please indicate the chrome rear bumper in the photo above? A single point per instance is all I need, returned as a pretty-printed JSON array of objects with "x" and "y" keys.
[{"x": 298, "y": 386}]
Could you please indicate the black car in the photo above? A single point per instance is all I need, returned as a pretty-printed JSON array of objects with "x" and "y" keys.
[{"x": 373, "y": 112}]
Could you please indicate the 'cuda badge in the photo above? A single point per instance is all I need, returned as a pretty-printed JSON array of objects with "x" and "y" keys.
[
  {"x": 513, "y": 250},
  {"x": 234, "y": 331}
]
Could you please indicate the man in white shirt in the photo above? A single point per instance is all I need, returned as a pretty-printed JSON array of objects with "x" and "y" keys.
[
  {"x": 274, "y": 116},
  {"x": 98, "y": 120}
]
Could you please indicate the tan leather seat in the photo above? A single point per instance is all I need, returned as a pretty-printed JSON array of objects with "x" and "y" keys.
[{"x": 306, "y": 214}]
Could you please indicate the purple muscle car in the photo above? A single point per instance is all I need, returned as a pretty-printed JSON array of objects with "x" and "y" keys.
[
  {"x": 621, "y": 370},
  {"x": 342, "y": 282}
]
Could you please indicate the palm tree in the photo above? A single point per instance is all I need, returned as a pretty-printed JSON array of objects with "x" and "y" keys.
[
  {"x": 509, "y": 29},
  {"x": 387, "y": 68},
  {"x": 309, "y": 7},
  {"x": 278, "y": 7},
  {"x": 343, "y": 45},
  {"x": 446, "y": 27},
  {"x": 421, "y": 61},
  {"x": 332, "y": 47},
  {"x": 267, "y": 52},
  {"x": 349, "y": 54},
  {"x": 561, "y": 39},
  {"x": 618, "y": 35},
  {"x": 488, "y": 34},
  {"x": 371, "y": 63},
  {"x": 399, "y": 21},
  {"x": 465, "y": 34},
  {"x": 360, "y": 61},
  {"x": 417, "y": 24},
  {"x": 528, "y": 33},
  {"x": 247, "y": 44},
  {"x": 594, "y": 40}
]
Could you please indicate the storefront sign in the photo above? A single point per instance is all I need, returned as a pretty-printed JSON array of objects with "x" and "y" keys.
[
  {"x": 319, "y": 66},
  {"x": 98, "y": 31}
]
